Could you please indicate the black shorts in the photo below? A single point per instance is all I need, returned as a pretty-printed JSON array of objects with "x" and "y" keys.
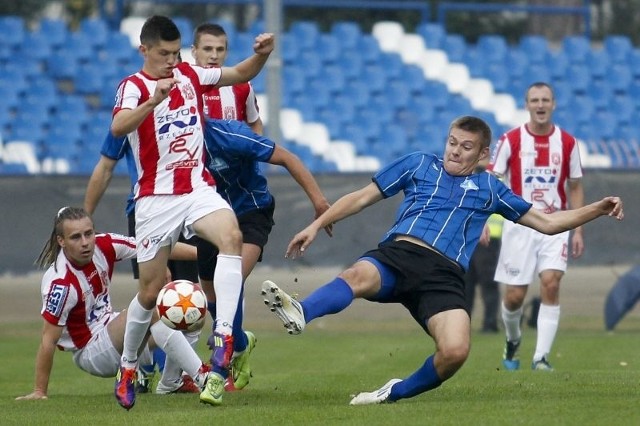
[
  {"x": 255, "y": 226},
  {"x": 180, "y": 269},
  {"x": 426, "y": 282}
]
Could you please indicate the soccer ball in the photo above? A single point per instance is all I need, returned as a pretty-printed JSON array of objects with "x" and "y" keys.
[{"x": 182, "y": 305}]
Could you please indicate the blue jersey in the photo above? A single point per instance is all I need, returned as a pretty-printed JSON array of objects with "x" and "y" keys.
[
  {"x": 116, "y": 148},
  {"x": 447, "y": 212},
  {"x": 233, "y": 154}
]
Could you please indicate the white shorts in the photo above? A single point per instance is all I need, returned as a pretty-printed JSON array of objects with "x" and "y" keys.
[
  {"x": 161, "y": 218},
  {"x": 99, "y": 357},
  {"x": 526, "y": 252}
]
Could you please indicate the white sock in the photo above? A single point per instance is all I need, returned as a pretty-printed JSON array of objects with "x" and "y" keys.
[
  {"x": 138, "y": 320},
  {"x": 180, "y": 354},
  {"x": 192, "y": 337},
  {"x": 548, "y": 319},
  {"x": 227, "y": 282},
  {"x": 511, "y": 320}
]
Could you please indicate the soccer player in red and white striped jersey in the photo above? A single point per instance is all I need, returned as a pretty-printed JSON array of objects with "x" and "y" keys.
[
  {"x": 160, "y": 110},
  {"x": 539, "y": 161}
]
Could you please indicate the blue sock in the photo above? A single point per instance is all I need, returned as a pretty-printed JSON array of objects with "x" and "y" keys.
[
  {"x": 159, "y": 358},
  {"x": 424, "y": 379},
  {"x": 328, "y": 299},
  {"x": 211, "y": 307},
  {"x": 239, "y": 338}
]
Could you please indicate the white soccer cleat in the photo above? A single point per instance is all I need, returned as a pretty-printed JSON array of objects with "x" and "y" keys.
[
  {"x": 284, "y": 306},
  {"x": 376, "y": 397}
]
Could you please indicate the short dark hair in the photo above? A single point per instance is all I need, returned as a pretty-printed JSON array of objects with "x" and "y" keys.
[
  {"x": 539, "y": 85},
  {"x": 215, "y": 30},
  {"x": 158, "y": 28},
  {"x": 474, "y": 125}
]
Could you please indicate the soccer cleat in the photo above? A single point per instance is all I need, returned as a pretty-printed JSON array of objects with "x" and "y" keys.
[
  {"x": 201, "y": 377},
  {"x": 240, "y": 368},
  {"x": 179, "y": 386},
  {"x": 510, "y": 359},
  {"x": 143, "y": 381},
  {"x": 222, "y": 350},
  {"x": 125, "y": 388},
  {"x": 284, "y": 306},
  {"x": 541, "y": 365},
  {"x": 379, "y": 396},
  {"x": 213, "y": 390}
]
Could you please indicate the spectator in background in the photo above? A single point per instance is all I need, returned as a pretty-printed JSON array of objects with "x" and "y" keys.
[
  {"x": 480, "y": 273},
  {"x": 159, "y": 110},
  {"x": 421, "y": 260},
  {"x": 539, "y": 161}
]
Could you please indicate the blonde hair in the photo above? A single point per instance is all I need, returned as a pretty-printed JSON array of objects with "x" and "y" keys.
[{"x": 51, "y": 248}]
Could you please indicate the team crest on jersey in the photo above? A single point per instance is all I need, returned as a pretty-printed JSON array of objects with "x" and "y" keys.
[
  {"x": 229, "y": 113},
  {"x": 555, "y": 158},
  {"x": 55, "y": 299},
  {"x": 188, "y": 92},
  {"x": 469, "y": 185},
  {"x": 218, "y": 163}
]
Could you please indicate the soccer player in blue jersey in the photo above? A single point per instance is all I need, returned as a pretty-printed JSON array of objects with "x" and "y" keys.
[
  {"x": 234, "y": 152},
  {"x": 422, "y": 258}
]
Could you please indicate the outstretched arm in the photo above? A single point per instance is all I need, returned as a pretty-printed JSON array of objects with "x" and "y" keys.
[
  {"x": 564, "y": 220},
  {"x": 346, "y": 206},
  {"x": 44, "y": 361},
  {"x": 250, "y": 67},
  {"x": 576, "y": 200},
  {"x": 98, "y": 183},
  {"x": 282, "y": 157}
]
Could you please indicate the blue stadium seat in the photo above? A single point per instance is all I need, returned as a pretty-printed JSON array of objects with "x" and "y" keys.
[
  {"x": 32, "y": 105},
  {"x": 606, "y": 125},
  {"x": 290, "y": 49},
  {"x": 438, "y": 93},
  {"x": 579, "y": 76},
  {"x": 565, "y": 119},
  {"x": 455, "y": 47},
  {"x": 583, "y": 109},
  {"x": 329, "y": 48},
  {"x": 498, "y": 74},
  {"x": 29, "y": 68},
  {"x": 186, "y": 30},
  {"x": 306, "y": 32},
  {"x": 355, "y": 134},
  {"x": 333, "y": 78},
  {"x": 374, "y": 77},
  {"x": 351, "y": 64},
  {"x": 79, "y": 44},
  {"x": 62, "y": 65},
  {"x": 413, "y": 75},
  {"x": 620, "y": 77},
  {"x": 492, "y": 47},
  {"x": 563, "y": 94},
  {"x": 369, "y": 49},
  {"x": 55, "y": 30},
  {"x": 9, "y": 97},
  {"x": 634, "y": 63},
  {"x": 601, "y": 93},
  {"x": 397, "y": 92},
  {"x": 72, "y": 104},
  {"x": 618, "y": 47},
  {"x": 26, "y": 132},
  {"x": 118, "y": 48},
  {"x": 536, "y": 48},
  {"x": 310, "y": 63},
  {"x": 433, "y": 34},
  {"x": 12, "y": 29},
  {"x": 44, "y": 88},
  {"x": 623, "y": 107},
  {"x": 516, "y": 62},
  {"x": 557, "y": 63},
  {"x": 348, "y": 32},
  {"x": 358, "y": 92},
  {"x": 576, "y": 48},
  {"x": 535, "y": 72},
  {"x": 36, "y": 45},
  {"x": 598, "y": 62},
  {"x": 96, "y": 29},
  {"x": 293, "y": 81},
  {"x": 345, "y": 107},
  {"x": 13, "y": 169},
  {"x": 88, "y": 80}
]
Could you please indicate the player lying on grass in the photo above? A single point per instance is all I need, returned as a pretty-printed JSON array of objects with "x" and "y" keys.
[
  {"x": 421, "y": 260},
  {"x": 77, "y": 312}
]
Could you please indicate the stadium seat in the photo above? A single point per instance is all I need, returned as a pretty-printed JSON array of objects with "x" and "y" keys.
[
  {"x": 22, "y": 152},
  {"x": 329, "y": 48},
  {"x": 579, "y": 76},
  {"x": 96, "y": 30},
  {"x": 623, "y": 107},
  {"x": 315, "y": 136},
  {"x": 605, "y": 124},
  {"x": 347, "y": 32},
  {"x": 535, "y": 47},
  {"x": 576, "y": 48},
  {"x": 62, "y": 65},
  {"x": 290, "y": 49},
  {"x": 498, "y": 74},
  {"x": 414, "y": 78},
  {"x": 388, "y": 34},
  {"x": 306, "y": 32},
  {"x": 455, "y": 47},
  {"x": 620, "y": 77},
  {"x": 79, "y": 44},
  {"x": 375, "y": 78},
  {"x": 456, "y": 77},
  {"x": 354, "y": 134},
  {"x": 598, "y": 62},
  {"x": 492, "y": 47},
  {"x": 516, "y": 62},
  {"x": 12, "y": 29},
  {"x": 345, "y": 107},
  {"x": 433, "y": 34},
  {"x": 186, "y": 30},
  {"x": 535, "y": 72},
  {"x": 369, "y": 49},
  {"x": 583, "y": 109},
  {"x": 618, "y": 47},
  {"x": 557, "y": 63},
  {"x": 88, "y": 80},
  {"x": 433, "y": 63},
  {"x": 601, "y": 93},
  {"x": 55, "y": 31},
  {"x": 29, "y": 68},
  {"x": 333, "y": 78},
  {"x": 118, "y": 48},
  {"x": 351, "y": 64},
  {"x": 310, "y": 63},
  {"x": 9, "y": 97},
  {"x": 36, "y": 45},
  {"x": 358, "y": 92},
  {"x": 397, "y": 93}
]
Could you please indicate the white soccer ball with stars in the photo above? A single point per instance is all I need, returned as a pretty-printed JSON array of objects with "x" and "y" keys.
[{"x": 182, "y": 305}]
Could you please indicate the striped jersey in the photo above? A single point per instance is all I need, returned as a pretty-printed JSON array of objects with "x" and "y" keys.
[
  {"x": 446, "y": 212},
  {"x": 168, "y": 145},
  {"x": 77, "y": 297},
  {"x": 237, "y": 102},
  {"x": 233, "y": 155},
  {"x": 537, "y": 167}
]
